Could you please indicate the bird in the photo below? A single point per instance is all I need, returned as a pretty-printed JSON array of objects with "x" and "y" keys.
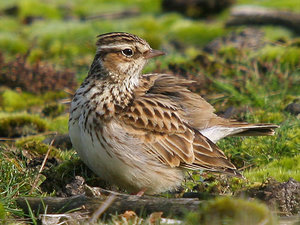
[{"x": 142, "y": 131}]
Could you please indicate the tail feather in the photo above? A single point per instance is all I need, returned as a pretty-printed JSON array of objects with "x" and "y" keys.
[
  {"x": 218, "y": 132},
  {"x": 257, "y": 130}
]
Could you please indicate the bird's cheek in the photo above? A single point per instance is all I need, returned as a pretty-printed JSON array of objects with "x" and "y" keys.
[{"x": 123, "y": 67}]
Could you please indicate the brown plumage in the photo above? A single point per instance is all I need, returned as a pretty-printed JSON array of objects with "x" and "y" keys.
[{"x": 140, "y": 131}]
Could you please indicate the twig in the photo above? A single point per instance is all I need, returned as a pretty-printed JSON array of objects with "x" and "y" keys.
[
  {"x": 43, "y": 165},
  {"x": 122, "y": 203},
  {"x": 245, "y": 167}
]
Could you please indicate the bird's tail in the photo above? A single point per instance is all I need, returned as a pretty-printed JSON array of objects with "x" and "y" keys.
[
  {"x": 235, "y": 128},
  {"x": 255, "y": 130}
]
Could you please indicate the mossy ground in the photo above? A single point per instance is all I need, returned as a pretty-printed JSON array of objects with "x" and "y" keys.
[{"x": 262, "y": 81}]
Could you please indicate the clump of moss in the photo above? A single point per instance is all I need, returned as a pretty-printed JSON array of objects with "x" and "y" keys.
[
  {"x": 268, "y": 117},
  {"x": 71, "y": 40},
  {"x": 198, "y": 34},
  {"x": 36, "y": 146},
  {"x": 226, "y": 210},
  {"x": 11, "y": 101},
  {"x": 15, "y": 101},
  {"x": 12, "y": 43},
  {"x": 21, "y": 125},
  {"x": 289, "y": 56},
  {"x": 207, "y": 184},
  {"x": 35, "y": 8}
]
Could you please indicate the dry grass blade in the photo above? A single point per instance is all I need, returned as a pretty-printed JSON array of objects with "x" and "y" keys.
[
  {"x": 102, "y": 208},
  {"x": 43, "y": 165}
]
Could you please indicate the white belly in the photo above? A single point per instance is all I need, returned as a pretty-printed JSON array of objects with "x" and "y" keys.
[{"x": 119, "y": 158}]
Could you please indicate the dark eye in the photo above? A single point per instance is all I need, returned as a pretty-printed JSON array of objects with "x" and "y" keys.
[{"x": 127, "y": 52}]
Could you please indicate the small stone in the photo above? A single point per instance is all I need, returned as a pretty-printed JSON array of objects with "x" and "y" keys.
[
  {"x": 76, "y": 187},
  {"x": 293, "y": 108}
]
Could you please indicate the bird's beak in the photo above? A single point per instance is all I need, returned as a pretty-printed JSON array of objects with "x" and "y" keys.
[{"x": 153, "y": 53}]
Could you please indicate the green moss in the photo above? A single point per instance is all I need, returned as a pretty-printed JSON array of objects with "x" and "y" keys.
[
  {"x": 38, "y": 9},
  {"x": 153, "y": 6},
  {"x": 17, "y": 101},
  {"x": 289, "y": 56},
  {"x": 12, "y": 44},
  {"x": 268, "y": 117},
  {"x": 8, "y": 24},
  {"x": 14, "y": 101},
  {"x": 226, "y": 210},
  {"x": 275, "y": 33},
  {"x": 196, "y": 33},
  {"x": 60, "y": 124},
  {"x": 35, "y": 146},
  {"x": 281, "y": 170},
  {"x": 62, "y": 42},
  {"x": 16, "y": 125},
  {"x": 94, "y": 7},
  {"x": 229, "y": 51}
]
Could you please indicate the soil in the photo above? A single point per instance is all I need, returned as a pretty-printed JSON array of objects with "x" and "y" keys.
[{"x": 284, "y": 197}]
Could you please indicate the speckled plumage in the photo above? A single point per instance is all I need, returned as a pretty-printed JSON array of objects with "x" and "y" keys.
[{"x": 140, "y": 131}]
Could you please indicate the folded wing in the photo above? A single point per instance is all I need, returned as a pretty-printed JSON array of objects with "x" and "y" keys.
[{"x": 169, "y": 138}]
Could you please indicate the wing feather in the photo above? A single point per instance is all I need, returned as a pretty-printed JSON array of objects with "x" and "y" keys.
[{"x": 168, "y": 137}]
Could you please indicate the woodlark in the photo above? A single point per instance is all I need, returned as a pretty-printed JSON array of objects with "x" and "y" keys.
[{"x": 140, "y": 131}]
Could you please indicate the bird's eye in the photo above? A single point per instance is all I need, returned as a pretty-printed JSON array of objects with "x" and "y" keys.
[{"x": 127, "y": 52}]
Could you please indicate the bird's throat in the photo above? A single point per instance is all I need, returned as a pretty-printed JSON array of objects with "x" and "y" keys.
[{"x": 110, "y": 97}]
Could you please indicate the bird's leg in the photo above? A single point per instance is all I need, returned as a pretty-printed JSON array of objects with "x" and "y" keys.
[{"x": 140, "y": 193}]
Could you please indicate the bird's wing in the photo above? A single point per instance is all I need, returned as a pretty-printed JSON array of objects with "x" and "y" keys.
[
  {"x": 167, "y": 136},
  {"x": 200, "y": 114}
]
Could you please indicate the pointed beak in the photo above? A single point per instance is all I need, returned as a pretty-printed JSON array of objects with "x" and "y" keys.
[{"x": 153, "y": 53}]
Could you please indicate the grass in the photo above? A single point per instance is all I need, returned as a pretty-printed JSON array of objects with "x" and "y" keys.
[
  {"x": 264, "y": 81},
  {"x": 281, "y": 169},
  {"x": 16, "y": 179}
]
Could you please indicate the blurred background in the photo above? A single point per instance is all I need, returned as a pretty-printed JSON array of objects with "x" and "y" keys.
[{"x": 244, "y": 55}]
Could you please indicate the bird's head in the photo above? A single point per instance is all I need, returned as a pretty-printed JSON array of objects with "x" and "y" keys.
[{"x": 122, "y": 55}]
